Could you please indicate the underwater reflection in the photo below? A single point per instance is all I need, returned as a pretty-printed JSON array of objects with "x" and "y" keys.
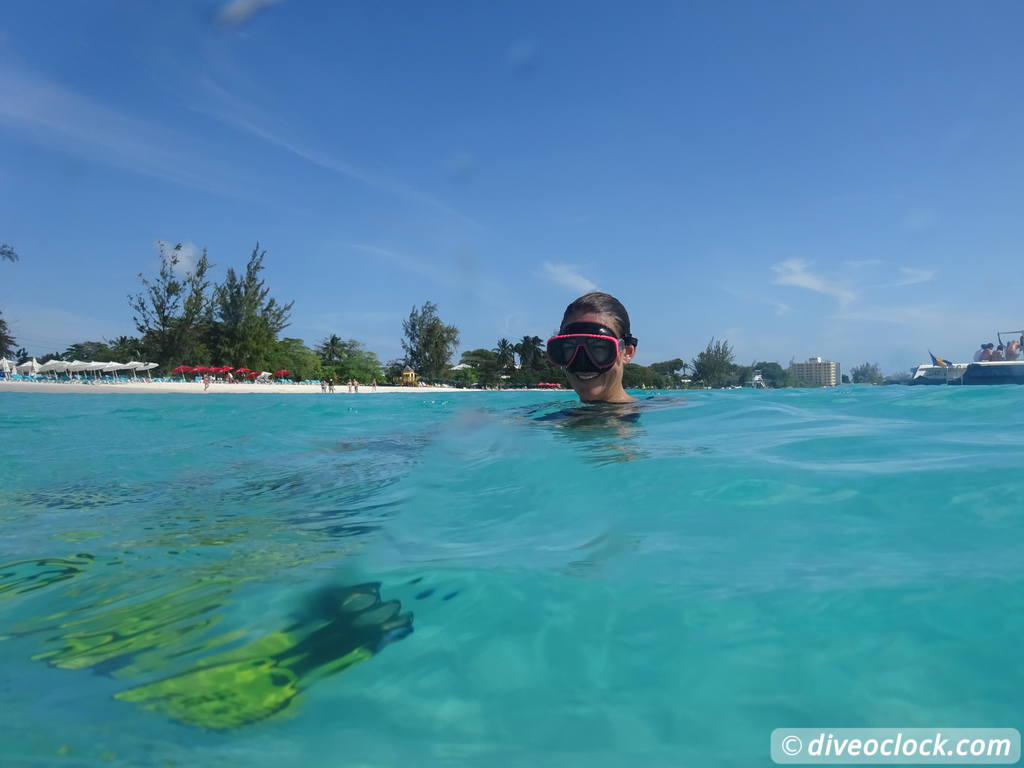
[
  {"x": 343, "y": 627},
  {"x": 607, "y": 432},
  {"x": 124, "y": 631}
]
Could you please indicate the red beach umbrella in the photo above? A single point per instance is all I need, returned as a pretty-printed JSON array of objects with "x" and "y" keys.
[
  {"x": 183, "y": 369},
  {"x": 253, "y": 374},
  {"x": 282, "y": 373}
]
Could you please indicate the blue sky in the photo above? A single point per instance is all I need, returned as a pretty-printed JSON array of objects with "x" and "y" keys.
[{"x": 800, "y": 178}]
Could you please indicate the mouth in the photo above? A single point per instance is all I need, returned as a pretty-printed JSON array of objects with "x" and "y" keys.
[{"x": 586, "y": 376}]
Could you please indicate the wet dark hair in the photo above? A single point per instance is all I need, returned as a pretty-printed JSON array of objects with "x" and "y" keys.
[{"x": 601, "y": 304}]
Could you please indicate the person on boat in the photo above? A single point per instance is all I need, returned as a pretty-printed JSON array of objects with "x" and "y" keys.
[
  {"x": 592, "y": 346},
  {"x": 980, "y": 353},
  {"x": 1013, "y": 350},
  {"x": 999, "y": 353}
]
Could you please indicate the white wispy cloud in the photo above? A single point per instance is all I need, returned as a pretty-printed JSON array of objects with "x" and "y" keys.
[
  {"x": 236, "y": 113},
  {"x": 53, "y": 116},
  {"x": 240, "y": 11},
  {"x": 42, "y": 329},
  {"x": 408, "y": 263},
  {"x": 568, "y": 276},
  {"x": 188, "y": 254},
  {"x": 919, "y": 219},
  {"x": 920, "y": 316},
  {"x": 912, "y": 276},
  {"x": 795, "y": 272}
]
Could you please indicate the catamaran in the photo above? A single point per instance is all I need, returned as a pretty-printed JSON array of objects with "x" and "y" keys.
[{"x": 985, "y": 372}]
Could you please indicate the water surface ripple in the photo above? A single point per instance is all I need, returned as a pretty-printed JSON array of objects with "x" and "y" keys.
[{"x": 505, "y": 578}]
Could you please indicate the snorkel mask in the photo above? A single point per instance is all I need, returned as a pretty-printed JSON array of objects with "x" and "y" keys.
[{"x": 587, "y": 347}]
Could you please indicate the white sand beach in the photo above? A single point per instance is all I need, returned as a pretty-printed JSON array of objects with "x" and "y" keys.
[
  {"x": 196, "y": 388},
  {"x": 216, "y": 388}
]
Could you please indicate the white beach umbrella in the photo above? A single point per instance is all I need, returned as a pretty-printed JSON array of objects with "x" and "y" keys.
[
  {"x": 133, "y": 366},
  {"x": 148, "y": 366},
  {"x": 53, "y": 366},
  {"x": 7, "y": 366},
  {"x": 114, "y": 368},
  {"x": 77, "y": 366},
  {"x": 30, "y": 366}
]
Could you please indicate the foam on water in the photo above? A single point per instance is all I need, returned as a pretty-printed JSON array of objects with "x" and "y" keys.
[{"x": 585, "y": 588}]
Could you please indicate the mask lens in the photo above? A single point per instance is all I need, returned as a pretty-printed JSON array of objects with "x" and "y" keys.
[
  {"x": 601, "y": 351},
  {"x": 561, "y": 350}
]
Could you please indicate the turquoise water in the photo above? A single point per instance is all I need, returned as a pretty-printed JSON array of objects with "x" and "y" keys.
[{"x": 584, "y": 590}]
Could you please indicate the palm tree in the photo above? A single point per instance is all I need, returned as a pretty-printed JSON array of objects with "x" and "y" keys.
[
  {"x": 331, "y": 349},
  {"x": 530, "y": 351},
  {"x": 125, "y": 348},
  {"x": 6, "y": 339},
  {"x": 506, "y": 354}
]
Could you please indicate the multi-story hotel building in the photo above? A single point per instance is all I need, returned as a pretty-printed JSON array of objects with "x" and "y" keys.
[{"x": 821, "y": 373}]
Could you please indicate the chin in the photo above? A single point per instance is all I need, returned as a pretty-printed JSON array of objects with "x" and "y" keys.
[{"x": 591, "y": 388}]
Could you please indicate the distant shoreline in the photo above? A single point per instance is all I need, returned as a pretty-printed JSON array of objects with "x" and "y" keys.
[{"x": 219, "y": 388}]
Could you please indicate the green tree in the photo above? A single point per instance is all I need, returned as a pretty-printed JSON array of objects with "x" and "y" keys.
[
  {"x": 349, "y": 359},
  {"x": 504, "y": 354},
  {"x": 358, "y": 363},
  {"x": 668, "y": 374},
  {"x": 774, "y": 375},
  {"x": 484, "y": 363},
  {"x": 249, "y": 320},
  {"x": 464, "y": 377},
  {"x": 531, "y": 352},
  {"x": 7, "y": 348},
  {"x": 172, "y": 312},
  {"x": 332, "y": 349},
  {"x": 867, "y": 373},
  {"x": 675, "y": 365},
  {"x": 428, "y": 343},
  {"x": 293, "y": 355},
  {"x": 90, "y": 351},
  {"x": 125, "y": 348},
  {"x": 714, "y": 366},
  {"x": 393, "y": 370},
  {"x": 6, "y": 339}
]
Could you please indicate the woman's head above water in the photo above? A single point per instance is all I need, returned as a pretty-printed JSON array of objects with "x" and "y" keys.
[{"x": 593, "y": 345}]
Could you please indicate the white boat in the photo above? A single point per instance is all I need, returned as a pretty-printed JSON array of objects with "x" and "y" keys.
[{"x": 990, "y": 372}]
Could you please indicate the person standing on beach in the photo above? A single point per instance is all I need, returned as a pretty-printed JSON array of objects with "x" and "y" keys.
[
  {"x": 206, "y": 381},
  {"x": 355, "y": 385},
  {"x": 592, "y": 346},
  {"x": 374, "y": 385}
]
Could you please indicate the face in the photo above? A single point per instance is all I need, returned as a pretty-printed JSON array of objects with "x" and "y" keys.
[{"x": 592, "y": 387}]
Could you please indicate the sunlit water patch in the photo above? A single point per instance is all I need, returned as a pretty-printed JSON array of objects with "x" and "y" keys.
[{"x": 502, "y": 578}]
